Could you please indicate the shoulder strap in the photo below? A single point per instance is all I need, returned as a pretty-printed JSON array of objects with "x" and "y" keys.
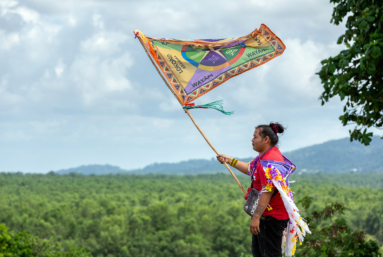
[{"x": 259, "y": 160}]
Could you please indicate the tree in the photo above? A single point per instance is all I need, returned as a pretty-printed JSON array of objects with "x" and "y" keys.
[
  {"x": 356, "y": 73},
  {"x": 23, "y": 244},
  {"x": 334, "y": 238}
]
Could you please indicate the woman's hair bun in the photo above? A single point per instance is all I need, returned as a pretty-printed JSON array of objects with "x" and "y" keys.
[{"x": 277, "y": 128}]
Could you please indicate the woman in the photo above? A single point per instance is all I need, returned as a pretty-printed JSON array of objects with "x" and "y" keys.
[{"x": 276, "y": 210}]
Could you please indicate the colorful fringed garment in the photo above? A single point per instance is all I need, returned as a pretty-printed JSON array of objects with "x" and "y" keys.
[
  {"x": 194, "y": 67},
  {"x": 277, "y": 174}
]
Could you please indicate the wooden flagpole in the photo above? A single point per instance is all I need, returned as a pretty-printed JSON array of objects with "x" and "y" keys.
[
  {"x": 212, "y": 147},
  {"x": 188, "y": 113}
]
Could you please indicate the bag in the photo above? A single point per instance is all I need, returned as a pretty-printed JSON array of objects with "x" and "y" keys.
[{"x": 251, "y": 202}]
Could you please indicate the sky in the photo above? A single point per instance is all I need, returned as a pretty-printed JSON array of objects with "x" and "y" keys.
[{"x": 76, "y": 88}]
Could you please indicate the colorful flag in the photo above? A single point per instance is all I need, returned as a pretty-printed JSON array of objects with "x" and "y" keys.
[{"x": 194, "y": 67}]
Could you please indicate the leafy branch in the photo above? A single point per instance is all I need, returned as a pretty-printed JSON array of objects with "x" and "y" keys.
[{"x": 356, "y": 73}]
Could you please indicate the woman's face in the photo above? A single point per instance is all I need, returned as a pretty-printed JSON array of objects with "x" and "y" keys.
[{"x": 258, "y": 142}]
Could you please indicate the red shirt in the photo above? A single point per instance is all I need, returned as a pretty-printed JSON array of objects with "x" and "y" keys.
[{"x": 279, "y": 211}]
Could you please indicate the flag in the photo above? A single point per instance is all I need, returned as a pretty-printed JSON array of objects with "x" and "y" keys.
[{"x": 194, "y": 67}]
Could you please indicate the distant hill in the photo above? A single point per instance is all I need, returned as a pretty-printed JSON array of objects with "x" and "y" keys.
[
  {"x": 94, "y": 169},
  {"x": 335, "y": 156}
]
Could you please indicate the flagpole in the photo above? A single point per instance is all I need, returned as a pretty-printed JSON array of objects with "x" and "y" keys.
[
  {"x": 188, "y": 113},
  {"x": 212, "y": 147}
]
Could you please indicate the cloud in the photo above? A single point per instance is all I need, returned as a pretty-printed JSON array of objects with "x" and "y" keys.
[
  {"x": 9, "y": 8},
  {"x": 8, "y": 40},
  {"x": 46, "y": 70},
  {"x": 59, "y": 69},
  {"x": 169, "y": 105},
  {"x": 101, "y": 66}
]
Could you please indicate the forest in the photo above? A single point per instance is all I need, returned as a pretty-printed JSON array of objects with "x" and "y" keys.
[{"x": 167, "y": 215}]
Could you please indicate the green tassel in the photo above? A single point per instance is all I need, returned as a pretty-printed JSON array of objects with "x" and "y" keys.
[{"x": 216, "y": 105}]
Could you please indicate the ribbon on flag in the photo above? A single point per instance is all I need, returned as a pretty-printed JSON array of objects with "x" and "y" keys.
[{"x": 216, "y": 105}]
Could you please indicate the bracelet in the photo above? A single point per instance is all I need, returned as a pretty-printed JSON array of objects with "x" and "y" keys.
[{"x": 233, "y": 162}]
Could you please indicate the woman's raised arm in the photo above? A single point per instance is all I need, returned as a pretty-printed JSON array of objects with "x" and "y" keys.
[{"x": 241, "y": 166}]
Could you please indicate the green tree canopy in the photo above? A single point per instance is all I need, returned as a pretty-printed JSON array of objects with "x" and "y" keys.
[
  {"x": 356, "y": 73},
  {"x": 24, "y": 245},
  {"x": 334, "y": 239}
]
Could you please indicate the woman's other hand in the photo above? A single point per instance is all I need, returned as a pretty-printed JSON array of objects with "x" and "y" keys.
[
  {"x": 254, "y": 226},
  {"x": 222, "y": 158}
]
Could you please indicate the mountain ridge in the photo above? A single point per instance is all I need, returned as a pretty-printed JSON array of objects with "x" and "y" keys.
[{"x": 334, "y": 156}]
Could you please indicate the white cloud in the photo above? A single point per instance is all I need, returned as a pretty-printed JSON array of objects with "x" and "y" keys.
[
  {"x": 12, "y": 7},
  {"x": 299, "y": 64},
  {"x": 28, "y": 15},
  {"x": 96, "y": 74},
  {"x": 8, "y": 40},
  {"x": 98, "y": 21},
  {"x": 103, "y": 42},
  {"x": 71, "y": 20},
  {"x": 59, "y": 69},
  {"x": 170, "y": 105},
  {"x": 42, "y": 128},
  {"x": 3, "y": 84},
  {"x": 5, "y": 5}
]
